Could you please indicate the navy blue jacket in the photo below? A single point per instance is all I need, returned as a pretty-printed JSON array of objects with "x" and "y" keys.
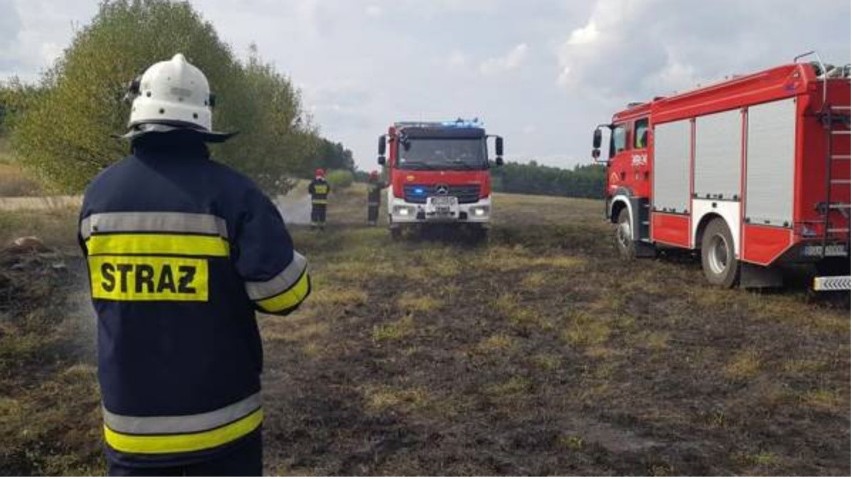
[{"x": 182, "y": 251}]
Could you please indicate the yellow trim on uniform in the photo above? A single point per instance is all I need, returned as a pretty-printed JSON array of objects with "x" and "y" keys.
[
  {"x": 290, "y": 298},
  {"x": 149, "y": 278},
  {"x": 319, "y": 202},
  {"x": 176, "y": 443},
  {"x": 165, "y": 244}
]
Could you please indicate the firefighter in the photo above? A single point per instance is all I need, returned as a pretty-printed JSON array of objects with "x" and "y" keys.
[
  {"x": 181, "y": 252},
  {"x": 319, "y": 190},
  {"x": 374, "y": 198}
]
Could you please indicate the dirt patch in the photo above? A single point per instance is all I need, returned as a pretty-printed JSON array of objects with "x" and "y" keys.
[{"x": 49, "y": 411}]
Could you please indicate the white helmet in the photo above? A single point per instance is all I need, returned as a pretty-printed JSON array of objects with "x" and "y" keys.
[{"x": 170, "y": 95}]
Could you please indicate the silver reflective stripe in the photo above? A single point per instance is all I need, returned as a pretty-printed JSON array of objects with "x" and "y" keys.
[
  {"x": 281, "y": 282},
  {"x": 165, "y": 222},
  {"x": 181, "y": 424}
]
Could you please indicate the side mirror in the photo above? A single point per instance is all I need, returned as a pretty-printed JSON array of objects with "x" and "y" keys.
[
  {"x": 382, "y": 140},
  {"x": 596, "y": 139},
  {"x": 498, "y": 161},
  {"x": 498, "y": 146},
  {"x": 596, "y": 153}
]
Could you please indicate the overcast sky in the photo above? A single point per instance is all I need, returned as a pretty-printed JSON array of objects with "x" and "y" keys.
[{"x": 541, "y": 73}]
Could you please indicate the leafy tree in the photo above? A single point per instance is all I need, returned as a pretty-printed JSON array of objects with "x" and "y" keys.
[
  {"x": 332, "y": 156},
  {"x": 280, "y": 141},
  {"x": 339, "y": 179},
  {"x": 65, "y": 136},
  {"x": 15, "y": 98}
]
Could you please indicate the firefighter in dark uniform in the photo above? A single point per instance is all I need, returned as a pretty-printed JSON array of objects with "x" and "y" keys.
[
  {"x": 319, "y": 190},
  {"x": 181, "y": 252},
  {"x": 374, "y": 197}
]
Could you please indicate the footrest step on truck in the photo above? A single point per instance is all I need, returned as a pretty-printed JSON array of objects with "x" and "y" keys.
[{"x": 832, "y": 283}]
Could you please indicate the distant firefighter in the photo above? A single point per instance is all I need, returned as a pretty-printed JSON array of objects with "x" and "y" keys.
[
  {"x": 374, "y": 197},
  {"x": 319, "y": 190}
]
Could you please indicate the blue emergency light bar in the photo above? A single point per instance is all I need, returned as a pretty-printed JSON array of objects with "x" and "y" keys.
[
  {"x": 462, "y": 123},
  {"x": 457, "y": 123}
]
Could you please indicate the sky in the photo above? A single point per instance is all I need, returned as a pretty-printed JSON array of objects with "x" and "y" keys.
[{"x": 540, "y": 73}]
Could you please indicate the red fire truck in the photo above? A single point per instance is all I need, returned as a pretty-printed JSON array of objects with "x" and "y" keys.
[
  {"x": 438, "y": 173},
  {"x": 752, "y": 171}
]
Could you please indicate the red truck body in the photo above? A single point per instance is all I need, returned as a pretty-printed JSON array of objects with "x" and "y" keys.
[
  {"x": 765, "y": 153},
  {"x": 438, "y": 173}
]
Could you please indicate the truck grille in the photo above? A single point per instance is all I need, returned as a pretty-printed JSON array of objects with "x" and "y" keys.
[{"x": 419, "y": 193}]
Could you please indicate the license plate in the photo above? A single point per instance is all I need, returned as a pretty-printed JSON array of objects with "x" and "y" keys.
[
  {"x": 830, "y": 250},
  {"x": 443, "y": 201}
]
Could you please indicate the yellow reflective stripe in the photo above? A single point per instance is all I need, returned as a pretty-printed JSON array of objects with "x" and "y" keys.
[
  {"x": 174, "y": 443},
  {"x": 165, "y": 244},
  {"x": 288, "y": 299},
  {"x": 149, "y": 278},
  {"x": 320, "y": 202}
]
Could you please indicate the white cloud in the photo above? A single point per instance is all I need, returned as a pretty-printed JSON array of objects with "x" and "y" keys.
[
  {"x": 374, "y": 11},
  {"x": 630, "y": 49},
  {"x": 457, "y": 59},
  {"x": 363, "y": 64},
  {"x": 512, "y": 60}
]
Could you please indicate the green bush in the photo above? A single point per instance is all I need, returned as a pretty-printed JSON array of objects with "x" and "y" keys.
[
  {"x": 65, "y": 136},
  {"x": 340, "y": 178}
]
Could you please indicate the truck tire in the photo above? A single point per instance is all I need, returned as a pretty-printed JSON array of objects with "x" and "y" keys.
[
  {"x": 624, "y": 236},
  {"x": 718, "y": 258}
]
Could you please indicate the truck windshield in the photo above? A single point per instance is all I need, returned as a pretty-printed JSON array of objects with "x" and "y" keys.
[{"x": 444, "y": 154}]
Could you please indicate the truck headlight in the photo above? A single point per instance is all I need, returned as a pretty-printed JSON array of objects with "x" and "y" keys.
[
  {"x": 480, "y": 211},
  {"x": 403, "y": 210}
]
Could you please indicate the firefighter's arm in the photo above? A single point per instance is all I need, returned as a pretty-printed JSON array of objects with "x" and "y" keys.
[{"x": 276, "y": 276}]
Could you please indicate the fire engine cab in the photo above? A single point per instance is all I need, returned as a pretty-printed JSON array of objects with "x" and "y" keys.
[
  {"x": 752, "y": 171},
  {"x": 438, "y": 173}
]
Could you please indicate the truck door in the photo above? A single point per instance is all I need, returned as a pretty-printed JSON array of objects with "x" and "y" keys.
[
  {"x": 629, "y": 157},
  {"x": 618, "y": 163}
]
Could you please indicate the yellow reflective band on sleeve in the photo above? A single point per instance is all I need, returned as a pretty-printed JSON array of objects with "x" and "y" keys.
[
  {"x": 176, "y": 443},
  {"x": 165, "y": 244},
  {"x": 290, "y": 298},
  {"x": 149, "y": 278}
]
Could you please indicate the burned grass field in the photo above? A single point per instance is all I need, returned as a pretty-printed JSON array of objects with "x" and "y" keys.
[{"x": 538, "y": 352}]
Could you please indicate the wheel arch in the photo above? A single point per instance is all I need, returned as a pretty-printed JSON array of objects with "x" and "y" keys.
[
  {"x": 702, "y": 225},
  {"x": 620, "y": 200},
  {"x": 618, "y": 205}
]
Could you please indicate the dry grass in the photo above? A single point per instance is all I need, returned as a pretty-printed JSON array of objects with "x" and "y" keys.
[
  {"x": 15, "y": 183},
  {"x": 56, "y": 228},
  {"x": 744, "y": 365},
  {"x": 536, "y": 353},
  {"x": 394, "y": 331},
  {"x": 382, "y": 398},
  {"x": 418, "y": 302},
  {"x": 585, "y": 330}
]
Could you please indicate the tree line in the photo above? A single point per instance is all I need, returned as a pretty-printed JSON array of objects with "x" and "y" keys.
[
  {"x": 63, "y": 127},
  {"x": 583, "y": 181}
]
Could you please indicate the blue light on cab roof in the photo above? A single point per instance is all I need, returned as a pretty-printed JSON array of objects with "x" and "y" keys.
[{"x": 462, "y": 123}]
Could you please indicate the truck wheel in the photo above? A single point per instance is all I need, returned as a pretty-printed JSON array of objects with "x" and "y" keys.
[
  {"x": 718, "y": 258},
  {"x": 624, "y": 236}
]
